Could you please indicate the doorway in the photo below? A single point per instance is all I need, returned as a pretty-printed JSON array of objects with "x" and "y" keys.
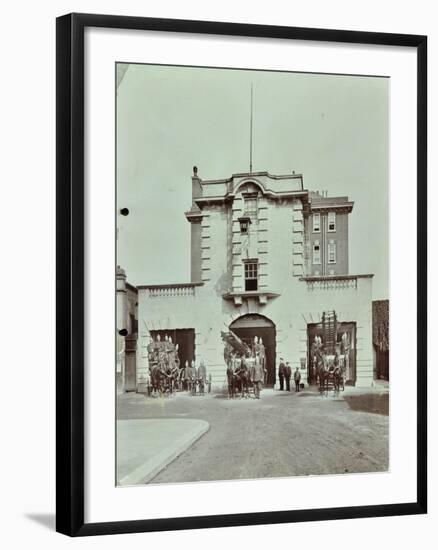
[
  {"x": 345, "y": 344},
  {"x": 248, "y": 326}
]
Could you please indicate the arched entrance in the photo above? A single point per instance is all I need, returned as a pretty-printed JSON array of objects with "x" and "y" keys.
[{"x": 250, "y": 325}]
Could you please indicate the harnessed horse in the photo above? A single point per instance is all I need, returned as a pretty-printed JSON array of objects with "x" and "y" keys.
[
  {"x": 323, "y": 374},
  {"x": 231, "y": 381},
  {"x": 243, "y": 379}
]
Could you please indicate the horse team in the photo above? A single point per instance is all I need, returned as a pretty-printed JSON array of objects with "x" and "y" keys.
[
  {"x": 327, "y": 368},
  {"x": 166, "y": 375}
]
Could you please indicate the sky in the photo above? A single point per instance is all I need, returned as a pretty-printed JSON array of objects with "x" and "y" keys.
[{"x": 334, "y": 129}]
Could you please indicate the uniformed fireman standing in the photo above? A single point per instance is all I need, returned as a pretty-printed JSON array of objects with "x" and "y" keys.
[
  {"x": 287, "y": 375},
  {"x": 262, "y": 354},
  {"x": 257, "y": 376},
  {"x": 297, "y": 379},
  {"x": 151, "y": 352},
  {"x": 255, "y": 346},
  {"x": 183, "y": 375},
  {"x": 192, "y": 377},
  {"x": 202, "y": 377},
  {"x": 281, "y": 373}
]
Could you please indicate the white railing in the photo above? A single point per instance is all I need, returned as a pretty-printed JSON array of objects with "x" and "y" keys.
[
  {"x": 344, "y": 282},
  {"x": 171, "y": 291}
]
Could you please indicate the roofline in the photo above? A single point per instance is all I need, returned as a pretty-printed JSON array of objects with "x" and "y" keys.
[
  {"x": 250, "y": 175},
  {"x": 348, "y": 205},
  {"x": 268, "y": 192}
]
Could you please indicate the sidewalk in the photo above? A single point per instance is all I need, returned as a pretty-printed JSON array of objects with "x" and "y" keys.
[{"x": 146, "y": 446}]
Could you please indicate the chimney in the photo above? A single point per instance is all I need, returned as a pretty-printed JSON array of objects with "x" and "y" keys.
[
  {"x": 196, "y": 187},
  {"x": 196, "y": 229}
]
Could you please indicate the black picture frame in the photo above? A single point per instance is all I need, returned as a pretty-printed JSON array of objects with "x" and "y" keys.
[{"x": 70, "y": 273}]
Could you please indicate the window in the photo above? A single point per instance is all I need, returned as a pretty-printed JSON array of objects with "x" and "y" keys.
[
  {"x": 244, "y": 224},
  {"x": 250, "y": 208},
  {"x": 251, "y": 275},
  {"x": 316, "y": 222},
  {"x": 332, "y": 252},
  {"x": 332, "y": 221},
  {"x": 316, "y": 253}
]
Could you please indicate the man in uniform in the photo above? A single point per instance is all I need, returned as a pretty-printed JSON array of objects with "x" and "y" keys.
[
  {"x": 183, "y": 376},
  {"x": 255, "y": 346},
  {"x": 192, "y": 377},
  {"x": 287, "y": 375},
  {"x": 202, "y": 377},
  {"x": 160, "y": 352},
  {"x": 151, "y": 352},
  {"x": 281, "y": 373},
  {"x": 257, "y": 376},
  {"x": 297, "y": 379},
  {"x": 262, "y": 353}
]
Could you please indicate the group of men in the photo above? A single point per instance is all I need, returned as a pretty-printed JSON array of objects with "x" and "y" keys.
[
  {"x": 163, "y": 353},
  {"x": 244, "y": 370},
  {"x": 192, "y": 378},
  {"x": 285, "y": 373}
]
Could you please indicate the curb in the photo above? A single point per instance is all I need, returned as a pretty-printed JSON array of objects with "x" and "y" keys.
[{"x": 149, "y": 469}]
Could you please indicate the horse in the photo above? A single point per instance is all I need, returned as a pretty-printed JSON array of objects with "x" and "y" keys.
[
  {"x": 156, "y": 378},
  {"x": 323, "y": 376},
  {"x": 337, "y": 379},
  {"x": 243, "y": 379}
]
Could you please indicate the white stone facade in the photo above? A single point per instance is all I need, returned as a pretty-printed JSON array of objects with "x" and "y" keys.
[{"x": 276, "y": 240}]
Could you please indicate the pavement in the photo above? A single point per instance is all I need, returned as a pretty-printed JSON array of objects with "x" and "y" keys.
[
  {"x": 283, "y": 434},
  {"x": 146, "y": 446}
]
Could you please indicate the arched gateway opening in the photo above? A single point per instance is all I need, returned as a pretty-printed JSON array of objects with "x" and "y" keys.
[{"x": 248, "y": 326}]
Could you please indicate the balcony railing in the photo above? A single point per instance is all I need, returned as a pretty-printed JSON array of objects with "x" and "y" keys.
[
  {"x": 333, "y": 282},
  {"x": 171, "y": 291}
]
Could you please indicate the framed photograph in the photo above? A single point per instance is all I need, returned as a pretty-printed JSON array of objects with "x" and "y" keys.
[{"x": 241, "y": 274}]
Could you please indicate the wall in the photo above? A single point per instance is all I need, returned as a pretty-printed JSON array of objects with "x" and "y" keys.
[
  {"x": 28, "y": 413},
  {"x": 209, "y": 314},
  {"x": 340, "y": 237}
]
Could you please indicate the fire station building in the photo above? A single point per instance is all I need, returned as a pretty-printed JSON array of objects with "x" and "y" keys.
[{"x": 268, "y": 259}]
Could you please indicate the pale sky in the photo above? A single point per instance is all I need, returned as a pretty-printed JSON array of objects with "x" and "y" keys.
[{"x": 333, "y": 129}]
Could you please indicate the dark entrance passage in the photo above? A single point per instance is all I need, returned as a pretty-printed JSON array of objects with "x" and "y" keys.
[
  {"x": 248, "y": 326},
  {"x": 184, "y": 337},
  {"x": 345, "y": 343},
  {"x": 382, "y": 364}
]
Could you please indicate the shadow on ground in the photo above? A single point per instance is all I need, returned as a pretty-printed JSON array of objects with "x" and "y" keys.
[
  {"x": 370, "y": 403},
  {"x": 46, "y": 520}
]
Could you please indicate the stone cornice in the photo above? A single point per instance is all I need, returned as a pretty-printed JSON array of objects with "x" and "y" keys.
[{"x": 238, "y": 297}]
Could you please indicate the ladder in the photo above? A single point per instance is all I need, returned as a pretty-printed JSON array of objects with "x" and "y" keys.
[{"x": 329, "y": 329}]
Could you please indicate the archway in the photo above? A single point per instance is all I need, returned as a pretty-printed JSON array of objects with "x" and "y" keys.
[{"x": 250, "y": 325}]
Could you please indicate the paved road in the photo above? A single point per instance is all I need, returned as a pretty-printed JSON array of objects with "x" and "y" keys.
[{"x": 283, "y": 434}]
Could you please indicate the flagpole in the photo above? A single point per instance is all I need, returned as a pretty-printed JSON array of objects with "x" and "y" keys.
[{"x": 250, "y": 134}]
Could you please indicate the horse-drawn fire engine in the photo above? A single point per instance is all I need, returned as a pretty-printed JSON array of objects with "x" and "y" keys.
[
  {"x": 240, "y": 360},
  {"x": 166, "y": 376},
  {"x": 328, "y": 357}
]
